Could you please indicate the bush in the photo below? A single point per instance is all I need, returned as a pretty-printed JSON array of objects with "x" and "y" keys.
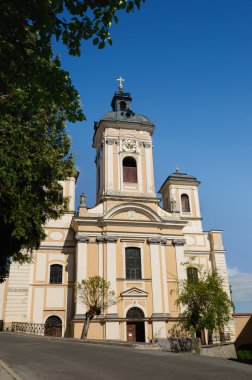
[{"x": 244, "y": 354}]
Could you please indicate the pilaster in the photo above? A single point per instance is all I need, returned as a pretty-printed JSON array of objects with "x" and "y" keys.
[
  {"x": 81, "y": 270},
  {"x": 180, "y": 260},
  {"x": 112, "y": 328},
  {"x": 159, "y": 328}
]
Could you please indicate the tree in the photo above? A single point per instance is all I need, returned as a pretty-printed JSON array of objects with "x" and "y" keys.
[
  {"x": 37, "y": 99},
  {"x": 96, "y": 295},
  {"x": 206, "y": 303}
]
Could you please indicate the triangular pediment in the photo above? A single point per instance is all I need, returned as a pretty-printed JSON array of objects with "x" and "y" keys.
[{"x": 134, "y": 292}]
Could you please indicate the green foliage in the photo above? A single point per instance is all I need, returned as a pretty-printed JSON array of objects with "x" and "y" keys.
[
  {"x": 37, "y": 98},
  {"x": 72, "y": 21},
  {"x": 244, "y": 354},
  {"x": 206, "y": 303},
  {"x": 96, "y": 295}
]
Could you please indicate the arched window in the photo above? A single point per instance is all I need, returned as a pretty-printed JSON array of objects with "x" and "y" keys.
[
  {"x": 135, "y": 313},
  {"x": 53, "y": 326},
  {"x": 122, "y": 106},
  {"x": 129, "y": 170},
  {"x": 56, "y": 274},
  {"x": 185, "y": 203},
  {"x": 133, "y": 263},
  {"x": 192, "y": 275}
]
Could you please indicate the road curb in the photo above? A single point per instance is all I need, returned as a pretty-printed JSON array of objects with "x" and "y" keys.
[
  {"x": 80, "y": 341},
  {"x": 9, "y": 371}
]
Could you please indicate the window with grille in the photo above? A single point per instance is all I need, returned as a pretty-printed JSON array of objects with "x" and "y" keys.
[
  {"x": 133, "y": 263},
  {"x": 135, "y": 313},
  {"x": 129, "y": 170},
  {"x": 192, "y": 275},
  {"x": 56, "y": 274},
  {"x": 185, "y": 203}
]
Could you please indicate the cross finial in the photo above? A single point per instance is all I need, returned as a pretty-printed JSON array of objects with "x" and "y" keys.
[{"x": 120, "y": 80}]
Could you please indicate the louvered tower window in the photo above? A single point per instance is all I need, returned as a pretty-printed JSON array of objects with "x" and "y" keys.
[
  {"x": 185, "y": 203},
  {"x": 129, "y": 170}
]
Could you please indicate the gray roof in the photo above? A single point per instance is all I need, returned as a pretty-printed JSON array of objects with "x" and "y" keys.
[
  {"x": 128, "y": 116},
  {"x": 177, "y": 176}
]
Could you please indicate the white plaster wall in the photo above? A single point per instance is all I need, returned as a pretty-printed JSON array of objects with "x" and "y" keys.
[
  {"x": 55, "y": 297},
  {"x": 156, "y": 279},
  {"x": 41, "y": 267},
  {"x": 38, "y": 305},
  {"x": 17, "y": 295},
  {"x": 111, "y": 271},
  {"x": 110, "y": 166},
  {"x": 112, "y": 330},
  {"x": 59, "y": 257}
]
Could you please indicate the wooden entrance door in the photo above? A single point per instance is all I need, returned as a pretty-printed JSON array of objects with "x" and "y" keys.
[{"x": 131, "y": 332}]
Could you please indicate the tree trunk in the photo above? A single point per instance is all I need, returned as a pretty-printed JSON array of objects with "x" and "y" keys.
[{"x": 85, "y": 327}]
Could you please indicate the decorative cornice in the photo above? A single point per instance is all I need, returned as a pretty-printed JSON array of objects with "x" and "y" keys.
[
  {"x": 110, "y": 239},
  {"x": 110, "y": 141},
  {"x": 154, "y": 240},
  {"x": 178, "y": 242},
  {"x": 112, "y": 316},
  {"x": 99, "y": 239},
  {"x": 147, "y": 145},
  {"x": 159, "y": 316},
  {"x": 82, "y": 239},
  {"x": 79, "y": 317},
  {"x": 163, "y": 241}
]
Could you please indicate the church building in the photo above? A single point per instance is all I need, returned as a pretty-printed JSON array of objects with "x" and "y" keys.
[{"x": 127, "y": 238}]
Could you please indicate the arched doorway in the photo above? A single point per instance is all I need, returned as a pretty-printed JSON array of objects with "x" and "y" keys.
[
  {"x": 53, "y": 326},
  {"x": 135, "y": 325}
]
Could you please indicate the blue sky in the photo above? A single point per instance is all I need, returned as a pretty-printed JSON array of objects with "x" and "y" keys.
[{"x": 188, "y": 67}]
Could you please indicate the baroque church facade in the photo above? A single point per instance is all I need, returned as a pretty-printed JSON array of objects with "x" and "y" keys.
[{"x": 126, "y": 238}]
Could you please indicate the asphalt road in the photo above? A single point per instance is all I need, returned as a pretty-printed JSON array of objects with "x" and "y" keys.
[{"x": 43, "y": 359}]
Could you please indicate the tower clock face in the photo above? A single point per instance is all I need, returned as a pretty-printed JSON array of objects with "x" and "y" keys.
[{"x": 129, "y": 145}]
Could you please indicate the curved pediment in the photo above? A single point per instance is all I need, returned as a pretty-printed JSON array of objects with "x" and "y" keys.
[{"x": 137, "y": 212}]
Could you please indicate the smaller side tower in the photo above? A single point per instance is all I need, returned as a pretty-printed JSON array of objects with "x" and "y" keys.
[{"x": 180, "y": 194}]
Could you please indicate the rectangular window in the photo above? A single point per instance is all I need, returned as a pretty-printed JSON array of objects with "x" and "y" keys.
[{"x": 133, "y": 263}]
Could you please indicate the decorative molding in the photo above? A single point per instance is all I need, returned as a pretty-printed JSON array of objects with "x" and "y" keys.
[
  {"x": 82, "y": 239},
  {"x": 134, "y": 293},
  {"x": 131, "y": 214},
  {"x": 147, "y": 145},
  {"x": 154, "y": 240},
  {"x": 178, "y": 242},
  {"x": 169, "y": 243},
  {"x": 163, "y": 241},
  {"x": 99, "y": 239},
  {"x": 110, "y": 239},
  {"x": 112, "y": 316},
  {"x": 158, "y": 316},
  {"x": 79, "y": 317},
  {"x": 100, "y": 316},
  {"x": 110, "y": 141}
]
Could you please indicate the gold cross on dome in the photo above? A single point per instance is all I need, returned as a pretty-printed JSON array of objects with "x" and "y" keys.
[{"x": 120, "y": 80}]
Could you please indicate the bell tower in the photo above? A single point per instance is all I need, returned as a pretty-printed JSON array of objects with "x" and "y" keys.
[{"x": 123, "y": 143}]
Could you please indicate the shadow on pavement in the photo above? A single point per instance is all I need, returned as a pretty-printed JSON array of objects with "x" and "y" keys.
[{"x": 242, "y": 361}]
